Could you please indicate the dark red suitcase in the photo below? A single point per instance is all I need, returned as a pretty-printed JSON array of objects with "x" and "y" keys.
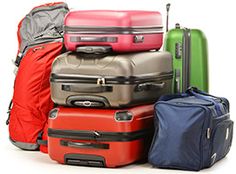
[
  {"x": 98, "y": 137},
  {"x": 122, "y": 31}
]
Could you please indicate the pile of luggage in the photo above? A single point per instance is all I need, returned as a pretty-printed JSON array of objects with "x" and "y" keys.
[{"x": 91, "y": 102}]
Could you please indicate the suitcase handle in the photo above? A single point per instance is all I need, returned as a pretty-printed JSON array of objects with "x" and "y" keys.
[
  {"x": 94, "y": 49},
  {"x": 84, "y": 145},
  {"x": 87, "y": 88},
  {"x": 84, "y": 160},
  {"x": 167, "y": 16},
  {"x": 87, "y": 101},
  {"x": 149, "y": 86},
  {"x": 93, "y": 39}
]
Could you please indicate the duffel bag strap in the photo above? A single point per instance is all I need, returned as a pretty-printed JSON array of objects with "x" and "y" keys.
[
  {"x": 204, "y": 96},
  {"x": 195, "y": 89}
]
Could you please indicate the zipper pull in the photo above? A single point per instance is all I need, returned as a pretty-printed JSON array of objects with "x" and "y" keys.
[
  {"x": 101, "y": 81},
  {"x": 208, "y": 133},
  {"x": 227, "y": 134},
  {"x": 38, "y": 48}
]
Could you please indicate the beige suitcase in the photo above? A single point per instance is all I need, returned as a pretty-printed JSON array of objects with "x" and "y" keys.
[{"x": 118, "y": 80}]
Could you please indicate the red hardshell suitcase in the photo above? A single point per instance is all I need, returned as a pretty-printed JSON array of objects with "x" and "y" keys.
[
  {"x": 98, "y": 137},
  {"x": 123, "y": 31}
]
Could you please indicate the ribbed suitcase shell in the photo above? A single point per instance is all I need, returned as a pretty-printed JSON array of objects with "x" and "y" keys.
[
  {"x": 99, "y": 137},
  {"x": 113, "y": 81},
  {"x": 124, "y": 31}
]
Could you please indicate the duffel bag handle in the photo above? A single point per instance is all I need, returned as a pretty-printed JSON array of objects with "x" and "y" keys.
[
  {"x": 84, "y": 145},
  {"x": 87, "y": 88},
  {"x": 204, "y": 96},
  {"x": 195, "y": 89}
]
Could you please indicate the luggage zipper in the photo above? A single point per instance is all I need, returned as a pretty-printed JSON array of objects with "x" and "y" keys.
[
  {"x": 38, "y": 48},
  {"x": 65, "y": 78},
  {"x": 113, "y": 30},
  {"x": 99, "y": 136},
  {"x": 101, "y": 81}
]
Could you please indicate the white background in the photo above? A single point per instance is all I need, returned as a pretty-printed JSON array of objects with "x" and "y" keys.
[{"x": 215, "y": 18}]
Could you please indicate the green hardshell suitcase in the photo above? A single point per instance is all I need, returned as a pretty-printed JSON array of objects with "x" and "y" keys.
[{"x": 190, "y": 58}]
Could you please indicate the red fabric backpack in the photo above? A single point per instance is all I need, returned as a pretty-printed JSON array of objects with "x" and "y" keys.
[{"x": 40, "y": 41}]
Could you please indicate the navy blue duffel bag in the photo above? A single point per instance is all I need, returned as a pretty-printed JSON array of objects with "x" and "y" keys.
[{"x": 193, "y": 131}]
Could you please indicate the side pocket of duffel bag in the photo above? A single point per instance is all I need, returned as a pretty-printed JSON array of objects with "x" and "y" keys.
[{"x": 221, "y": 140}]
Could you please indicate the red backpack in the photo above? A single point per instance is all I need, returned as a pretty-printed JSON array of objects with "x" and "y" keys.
[{"x": 40, "y": 41}]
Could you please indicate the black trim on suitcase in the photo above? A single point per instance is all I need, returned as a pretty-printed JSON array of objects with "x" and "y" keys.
[
  {"x": 113, "y": 30},
  {"x": 93, "y": 39},
  {"x": 99, "y": 136},
  {"x": 72, "y": 78},
  {"x": 84, "y": 160},
  {"x": 82, "y": 88},
  {"x": 186, "y": 59}
]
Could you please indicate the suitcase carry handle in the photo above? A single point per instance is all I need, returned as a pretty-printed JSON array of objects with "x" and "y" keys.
[
  {"x": 94, "y": 49},
  {"x": 84, "y": 160},
  {"x": 84, "y": 145},
  {"x": 87, "y": 101},
  {"x": 149, "y": 86},
  {"x": 87, "y": 88},
  {"x": 93, "y": 39}
]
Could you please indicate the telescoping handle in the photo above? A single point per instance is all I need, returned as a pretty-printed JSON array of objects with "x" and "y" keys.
[{"x": 167, "y": 16}]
